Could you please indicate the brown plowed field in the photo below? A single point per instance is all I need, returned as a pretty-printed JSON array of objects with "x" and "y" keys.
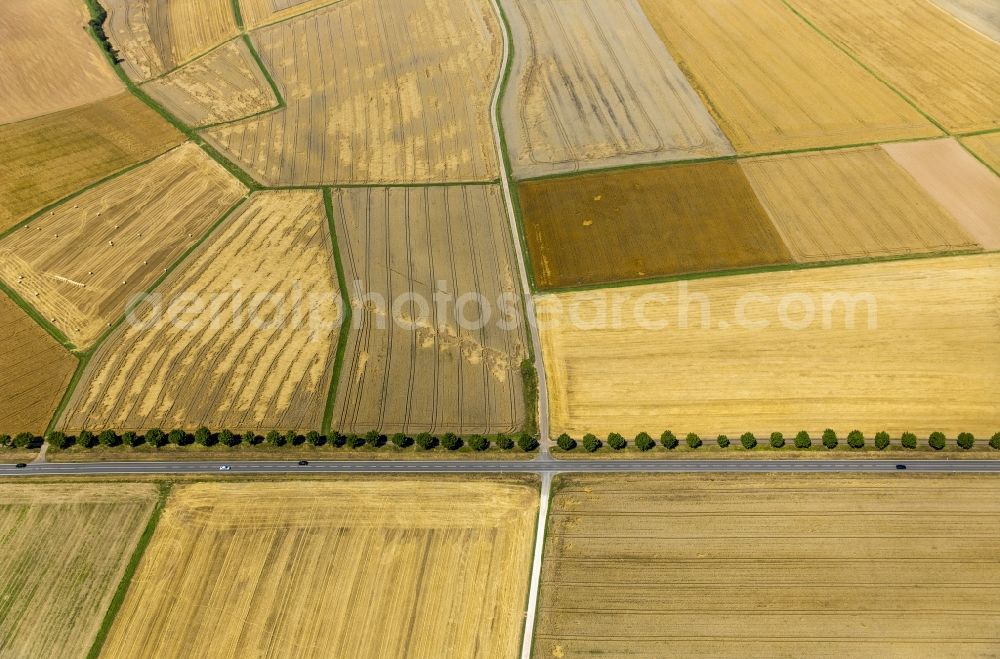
[
  {"x": 589, "y": 84},
  {"x": 981, "y": 15},
  {"x": 850, "y": 204},
  {"x": 155, "y": 36},
  {"x": 353, "y": 568},
  {"x": 45, "y": 159},
  {"x": 956, "y": 181},
  {"x": 773, "y": 83},
  {"x": 48, "y": 61},
  {"x": 266, "y": 365},
  {"x": 950, "y": 71},
  {"x": 386, "y": 91},
  {"x": 36, "y": 371},
  {"x": 411, "y": 368},
  {"x": 903, "y": 346},
  {"x": 225, "y": 85},
  {"x": 80, "y": 264},
  {"x": 987, "y": 147},
  {"x": 771, "y": 565},
  {"x": 608, "y": 227},
  {"x": 65, "y": 548}
]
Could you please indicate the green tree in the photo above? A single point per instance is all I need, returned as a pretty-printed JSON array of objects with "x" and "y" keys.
[
  {"x": 24, "y": 440},
  {"x": 478, "y": 443},
  {"x": 830, "y": 439},
  {"x": 565, "y": 442},
  {"x": 966, "y": 440},
  {"x": 451, "y": 442},
  {"x": 668, "y": 440},
  {"x": 399, "y": 440},
  {"x": 526, "y": 442},
  {"x": 203, "y": 436},
  {"x": 313, "y": 438},
  {"x": 644, "y": 442},
  {"x": 616, "y": 441},
  {"x": 777, "y": 440},
  {"x": 155, "y": 437},
  {"x": 882, "y": 440},
  {"x": 130, "y": 438},
  {"x": 228, "y": 438},
  {"x": 250, "y": 438},
  {"x": 995, "y": 442},
  {"x": 505, "y": 441},
  {"x": 722, "y": 441},
  {"x": 293, "y": 438},
  {"x": 58, "y": 439},
  {"x": 177, "y": 437},
  {"x": 109, "y": 438},
  {"x": 337, "y": 439},
  {"x": 748, "y": 440},
  {"x": 591, "y": 443},
  {"x": 354, "y": 440},
  {"x": 908, "y": 440},
  {"x": 693, "y": 440},
  {"x": 274, "y": 438},
  {"x": 426, "y": 441},
  {"x": 374, "y": 439},
  {"x": 5, "y": 441},
  {"x": 829, "y": 434},
  {"x": 936, "y": 440},
  {"x": 856, "y": 439},
  {"x": 803, "y": 440}
]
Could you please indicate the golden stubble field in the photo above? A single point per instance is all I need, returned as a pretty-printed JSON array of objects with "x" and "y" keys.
[
  {"x": 410, "y": 365},
  {"x": 36, "y": 371},
  {"x": 81, "y": 263},
  {"x": 224, "y": 85},
  {"x": 63, "y": 550},
  {"x": 243, "y": 337},
  {"x": 987, "y": 147},
  {"x": 764, "y": 362},
  {"x": 773, "y": 83},
  {"x": 589, "y": 84},
  {"x": 48, "y": 62},
  {"x": 771, "y": 565},
  {"x": 257, "y": 13},
  {"x": 352, "y": 568},
  {"x": 47, "y": 158},
  {"x": 394, "y": 91}
]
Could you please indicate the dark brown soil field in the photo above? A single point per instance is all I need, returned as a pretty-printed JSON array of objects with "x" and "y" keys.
[{"x": 608, "y": 227}]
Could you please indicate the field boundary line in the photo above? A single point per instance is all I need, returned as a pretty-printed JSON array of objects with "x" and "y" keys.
[
  {"x": 336, "y": 186},
  {"x": 545, "y": 495},
  {"x": 281, "y": 105},
  {"x": 35, "y": 315},
  {"x": 190, "y": 61},
  {"x": 292, "y": 17},
  {"x": 345, "y": 316},
  {"x": 130, "y": 570},
  {"x": 237, "y": 15}
]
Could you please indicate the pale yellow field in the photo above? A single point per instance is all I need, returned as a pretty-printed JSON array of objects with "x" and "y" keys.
[
  {"x": 589, "y": 84},
  {"x": 259, "y": 353},
  {"x": 854, "y": 203},
  {"x": 948, "y": 70},
  {"x": 155, "y": 36},
  {"x": 225, "y": 85},
  {"x": 760, "y": 363},
  {"x": 352, "y": 568},
  {"x": 262, "y": 12},
  {"x": 80, "y": 264},
  {"x": 48, "y": 61},
  {"x": 771, "y": 565},
  {"x": 981, "y": 15},
  {"x": 386, "y": 91},
  {"x": 63, "y": 550},
  {"x": 956, "y": 181},
  {"x": 773, "y": 83},
  {"x": 987, "y": 147},
  {"x": 413, "y": 368}
]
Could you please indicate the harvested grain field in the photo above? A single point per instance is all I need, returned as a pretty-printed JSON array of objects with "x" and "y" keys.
[
  {"x": 243, "y": 337},
  {"x": 852, "y": 203},
  {"x": 42, "y": 160},
  {"x": 257, "y": 13},
  {"x": 36, "y": 371},
  {"x": 224, "y": 85},
  {"x": 64, "y": 552},
  {"x": 350, "y": 568},
  {"x": 589, "y": 87},
  {"x": 773, "y": 83},
  {"x": 987, "y": 148},
  {"x": 948, "y": 70},
  {"x": 80, "y": 264},
  {"x": 956, "y": 181},
  {"x": 387, "y": 91},
  {"x": 49, "y": 61},
  {"x": 782, "y": 351},
  {"x": 771, "y": 565},
  {"x": 412, "y": 258},
  {"x": 156, "y": 36},
  {"x": 981, "y": 15},
  {"x": 614, "y": 226}
]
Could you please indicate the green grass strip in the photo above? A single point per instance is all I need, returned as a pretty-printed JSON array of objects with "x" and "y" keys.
[
  {"x": 53, "y": 331},
  {"x": 345, "y": 321},
  {"x": 237, "y": 15},
  {"x": 133, "y": 564},
  {"x": 529, "y": 378}
]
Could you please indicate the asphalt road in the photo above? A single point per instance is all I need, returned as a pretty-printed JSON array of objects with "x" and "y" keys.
[{"x": 540, "y": 465}]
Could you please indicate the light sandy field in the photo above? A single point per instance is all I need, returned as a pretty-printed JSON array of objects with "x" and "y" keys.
[
  {"x": 80, "y": 264},
  {"x": 956, "y": 181},
  {"x": 981, "y": 15},
  {"x": 388, "y": 91},
  {"x": 765, "y": 364},
  {"x": 48, "y": 61},
  {"x": 593, "y": 86},
  {"x": 263, "y": 12},
  {"x": 409, "y": 364},
  {"x": 225, "y": 85},
  {"x": 771, "y": 565},
  {"x": 45, "y": 159},
  {"x": 351, "y": 568},
  {"x": 155, "y": 36},
  {"x": 948, "y": 70},
  {"x": 773, "y": 83},
  {"x": 855, "y": 203},
  {"x": 987, "y": 147},
  {"x": 36, "y": 371},
  {"x": 65, "y": 548},
  {"x": 258, "y": 355}
]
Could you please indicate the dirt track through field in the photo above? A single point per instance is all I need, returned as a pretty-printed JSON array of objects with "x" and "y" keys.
[{"x": 981, "y": 15}]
